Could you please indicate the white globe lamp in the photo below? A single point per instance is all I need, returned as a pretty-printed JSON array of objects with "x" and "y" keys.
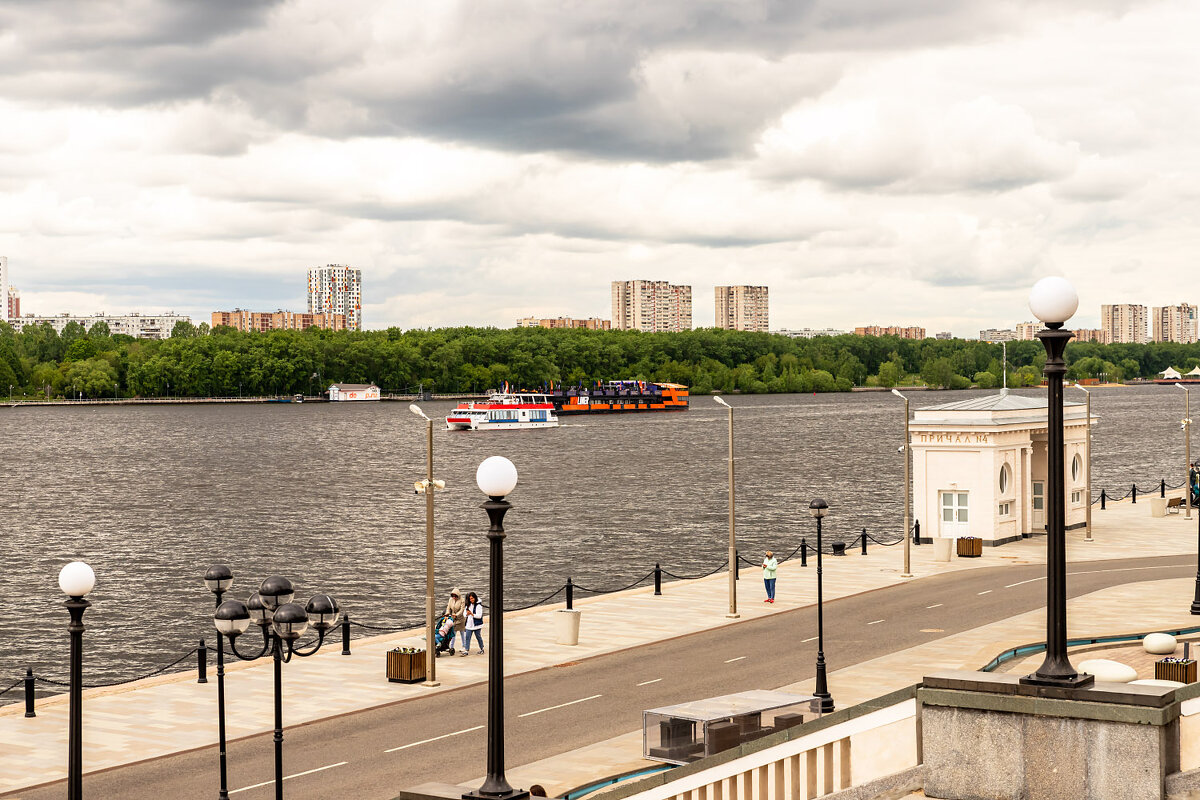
[
  {"x": 496, "y": 476},
  {"x": 76, "y": 579},
  {"x": 1053, "y": 300}
]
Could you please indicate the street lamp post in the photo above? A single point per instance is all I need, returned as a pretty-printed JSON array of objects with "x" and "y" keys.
[
  {"x": 218, "y": 579},
  {"x": 1186, "y": 424},
  {"x": 1053, "y": 300},
  {"x": 496, "y": 478},
  {"x": 76, "y": 581},
  {"x": 1088, "y": 451},
  {"x": 819, "y": 508},
  {"x": 282, "y": 623},
  {"x": 907, "y": 488},
  {"x": 733, "y": 612},
  {"x": 427, "y": 488}
]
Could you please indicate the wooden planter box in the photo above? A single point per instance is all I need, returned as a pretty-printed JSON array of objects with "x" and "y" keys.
[
  {"x": 970, "y": 547},
  {"x": 1182, "y": 671},
  {"x": 405, "y": 667}
]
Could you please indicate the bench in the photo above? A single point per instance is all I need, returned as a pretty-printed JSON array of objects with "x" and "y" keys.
[{"x": 1174, "y": 504}]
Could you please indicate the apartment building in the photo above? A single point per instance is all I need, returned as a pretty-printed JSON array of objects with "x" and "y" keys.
[
  {"x": 1173, "y": 323},
  {"x": 997, "y": 335},
  {"x": 741, "y": 308},
  {"x": 651, "y": 306},
  {"x": 5, "y": 312},
  {"x": 943, "y": 335},
  {"x": 14, "y": 303},
  {"x": 139, "y": 326},
  {"x": 1090, "y": 335},
  {"x": 890, "y": 330},
  {"x": 1027, "y": 331},
  {"x": 808, "y": 333},
  {"x": 336, "y": 289},
  {"x": 1123, "y": 323},
  {"x": 591, "y": 323},
  {"x": 263, "y": 321}
]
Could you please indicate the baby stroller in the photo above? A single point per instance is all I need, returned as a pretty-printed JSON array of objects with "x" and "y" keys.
[{"x": 443, "y": 634}]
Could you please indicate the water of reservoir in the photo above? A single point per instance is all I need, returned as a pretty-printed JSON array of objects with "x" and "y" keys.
[{"x": 323, "y": 493}]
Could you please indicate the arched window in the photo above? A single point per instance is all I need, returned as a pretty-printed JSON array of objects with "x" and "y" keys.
[{"x": 1005, "y": 478}]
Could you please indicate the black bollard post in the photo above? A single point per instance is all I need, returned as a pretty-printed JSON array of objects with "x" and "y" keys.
[
  {"x": 1162, "y": 488},
  {"x": 346, "y": 633},
  {"x": 1133, "y": 492},
  {"x": 1103, "y": 499},
  {"x": 202, "y": 663},
  {"x": 917, "y": 532},
  {"x": 570, "y": 594},
  {"x": 803, "y": 553},
  {"x": 29, "y": 712},
  {"x": 737, "y": 565},
  {"x": 657, "y": 579},
  {"x": 864, "y": 538}
]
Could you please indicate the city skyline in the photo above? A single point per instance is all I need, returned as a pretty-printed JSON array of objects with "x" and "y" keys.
[{"x": 934, "y": 161}]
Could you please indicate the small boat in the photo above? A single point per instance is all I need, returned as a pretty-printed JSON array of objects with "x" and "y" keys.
[{"x": 503, "y": 411}]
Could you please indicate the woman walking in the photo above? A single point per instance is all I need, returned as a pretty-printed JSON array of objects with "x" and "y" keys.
[
  {"x": 770, "y": 564},
  {"x": 455, "y": 607},
  {"x": 474, "y": 612}
]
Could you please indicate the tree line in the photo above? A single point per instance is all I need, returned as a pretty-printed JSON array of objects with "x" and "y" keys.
[{"x": 222, "y": 362}]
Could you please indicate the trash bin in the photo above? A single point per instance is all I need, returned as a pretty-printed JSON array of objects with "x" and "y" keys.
[
  {"x": 1158, "y": 506},
  {"x": 568, "y": 626},
  {"x": 941, "y": 547}
]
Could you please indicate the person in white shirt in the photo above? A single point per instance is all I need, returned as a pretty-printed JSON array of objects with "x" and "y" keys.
[
  {"x": 474, "y": 612},
  {"x": 770, "y": 564}
]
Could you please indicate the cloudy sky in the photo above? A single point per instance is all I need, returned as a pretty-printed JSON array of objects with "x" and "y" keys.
[{"x": 871, "y": 161}]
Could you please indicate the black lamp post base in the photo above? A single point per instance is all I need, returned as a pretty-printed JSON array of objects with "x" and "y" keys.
[
  {"x": 1196, "y": 606},
  {"x": 511, "y": 794},
  {"x": 825, "y": 703},
  {"x": 1080, "y": 680}
]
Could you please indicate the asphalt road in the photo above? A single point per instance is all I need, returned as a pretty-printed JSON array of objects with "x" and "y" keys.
[{"x": 374, "y": 753}]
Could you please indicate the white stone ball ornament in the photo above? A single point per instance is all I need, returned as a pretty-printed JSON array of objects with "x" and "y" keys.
[
  {"x": 1159, "y": 644},
  {"x": 76, "y": 579},
  {"x": 496, "y": 476},
  {"x": 1053, "y": 299}
]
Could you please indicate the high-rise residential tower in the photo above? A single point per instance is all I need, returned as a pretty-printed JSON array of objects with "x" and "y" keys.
[
  {"x": 14, "y": 303},
  {"x": 651, "y": 306},
  {"x": 336, "y": 289},
  {"x": 1173, "y": 323},
  {"x": 741, "y": 308},
  {"x": 1123, "y": 323},
  {"x": 4, "y": 303}
]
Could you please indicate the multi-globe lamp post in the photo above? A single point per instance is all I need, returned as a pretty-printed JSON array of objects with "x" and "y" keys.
[
  {"x": 218, "y": 579},
  {"x": 283, "y": 623},
  {"x": 1053, "y": 300},
  {"x": 496, "y": 478},
  {"x": 76, "y": 580},
  {"x": 819, "y": 508},
  {"x": 733, "y": 612}
]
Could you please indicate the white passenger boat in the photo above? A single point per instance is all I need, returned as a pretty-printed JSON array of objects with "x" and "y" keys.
[{"x": 503, "y": 411}]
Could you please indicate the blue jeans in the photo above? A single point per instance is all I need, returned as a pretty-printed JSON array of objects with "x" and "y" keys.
[
  {"x": 770, "y": 582},
  {"x": 466, "y": 639}
]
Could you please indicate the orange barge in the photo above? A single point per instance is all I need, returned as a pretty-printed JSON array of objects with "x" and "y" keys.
[{"x": 619, "y": 397}]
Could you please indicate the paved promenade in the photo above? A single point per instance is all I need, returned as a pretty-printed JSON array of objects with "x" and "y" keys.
[{"x": 172, "y": 714}]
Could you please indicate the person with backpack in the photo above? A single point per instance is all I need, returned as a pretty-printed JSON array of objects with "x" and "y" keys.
[{"x": 474, "y": 615}]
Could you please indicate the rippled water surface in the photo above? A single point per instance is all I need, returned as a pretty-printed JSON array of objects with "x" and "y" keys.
[{"x": 151, "y": 496}]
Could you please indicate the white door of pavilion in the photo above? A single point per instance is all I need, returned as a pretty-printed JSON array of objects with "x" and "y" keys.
[
  {"x": 954, "y": 514},
  {"x": 1039, "y": 505}
]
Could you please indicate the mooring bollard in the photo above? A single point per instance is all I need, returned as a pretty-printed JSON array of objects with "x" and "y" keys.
[
  {"x": 737, "y": 565},
  {"x": 570, "y": 594},
  {"x": 1133, "y": 492},
  {"x": 1103, "y": 499},
  {"x": 917, "y": 531},
  {"x": 29, "y": 712},
  {"x": 803, "y": 552},
  {"x": 1162, "y": 488},
  {"x": 346, "y": 633},
  {"x": 864, "y": 537},
  {"x": 657, "y": 579},
  {"x": 202, "y": 663}
]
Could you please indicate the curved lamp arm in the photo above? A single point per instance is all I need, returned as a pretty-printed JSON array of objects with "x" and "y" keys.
[
  {"x": 295, "y": 651},
  {"x": 265, "y": 648}
]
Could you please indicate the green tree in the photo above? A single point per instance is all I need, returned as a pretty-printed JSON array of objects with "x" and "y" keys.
[{"x": 937, "y": 372}]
